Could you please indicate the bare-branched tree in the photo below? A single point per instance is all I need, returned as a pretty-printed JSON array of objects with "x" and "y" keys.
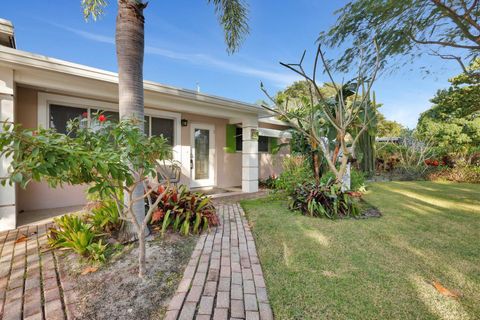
[{"x": 332, "y": 124}]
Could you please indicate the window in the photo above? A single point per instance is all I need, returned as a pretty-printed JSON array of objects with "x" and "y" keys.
[
  {"x": 263, "y": 142},
  {"x": 164, "y": 127},
  {"x": 154, "y": 126},
  {"x": 238, "y": 139},
  {"x": 60, "y": 115}
]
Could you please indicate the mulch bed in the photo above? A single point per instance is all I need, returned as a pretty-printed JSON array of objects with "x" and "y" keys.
[{"x": 115, "y": 291}]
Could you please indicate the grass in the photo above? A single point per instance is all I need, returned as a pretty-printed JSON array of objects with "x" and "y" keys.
[{"x": 378, "y": 268}]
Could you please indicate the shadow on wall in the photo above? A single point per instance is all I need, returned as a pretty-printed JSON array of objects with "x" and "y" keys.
[{"x": 38, "y": 195}]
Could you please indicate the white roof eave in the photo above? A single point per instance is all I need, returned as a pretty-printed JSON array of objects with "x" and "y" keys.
[
  {"x": 17, "y": 58},
  {"x": 274, "y": 133}
]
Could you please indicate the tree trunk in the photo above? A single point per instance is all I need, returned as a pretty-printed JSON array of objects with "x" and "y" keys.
[
  {"x": 129, "y": 40},
  {"x": 316, "y": 166},
  {"x": 141, "y": 255}
]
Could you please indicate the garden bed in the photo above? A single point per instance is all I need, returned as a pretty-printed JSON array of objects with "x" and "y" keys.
[{"x": 115, "y": 291}]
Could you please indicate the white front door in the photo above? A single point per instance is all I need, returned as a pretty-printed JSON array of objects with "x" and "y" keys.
[{"x": 202, "y": 159}]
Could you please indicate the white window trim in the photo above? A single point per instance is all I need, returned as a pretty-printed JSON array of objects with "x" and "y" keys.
[{"x": 46, "y": 99}]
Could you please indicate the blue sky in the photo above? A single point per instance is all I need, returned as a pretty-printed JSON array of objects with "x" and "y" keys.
[{"x": 184, "y": 46}]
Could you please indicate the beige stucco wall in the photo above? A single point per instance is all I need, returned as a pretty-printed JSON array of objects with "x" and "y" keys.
[
  {"x": 272, "y": 164},
  {"x": 228, "y": 165},
  {"x": 26, "y": 107}
]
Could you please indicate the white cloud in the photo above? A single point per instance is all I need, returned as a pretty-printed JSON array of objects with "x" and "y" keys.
[{"x": 276, "y": 78}]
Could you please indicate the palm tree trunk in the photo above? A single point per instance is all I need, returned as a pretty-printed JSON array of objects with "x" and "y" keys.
[{"x": 130, "y": 42}]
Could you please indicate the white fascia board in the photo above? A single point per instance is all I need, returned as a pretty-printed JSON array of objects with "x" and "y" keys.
[
  {"x": 273, "y": 120},
  {"x": 21, "y": 59},
  {"x": 274, "y": 133}
]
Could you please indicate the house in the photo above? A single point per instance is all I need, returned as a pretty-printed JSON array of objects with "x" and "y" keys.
[{"x": 213, "y": 138}]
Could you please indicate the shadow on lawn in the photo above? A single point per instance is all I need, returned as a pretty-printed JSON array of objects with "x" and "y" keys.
[
  {"x": 442, "y": 217},
  {"x": 382, "y": 266}
]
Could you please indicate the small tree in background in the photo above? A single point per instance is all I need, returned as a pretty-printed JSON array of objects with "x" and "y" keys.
[
  {"x": 453, "y": 122},
  {"x": 388, "y": 128},
  {"x": 106, "y": 156},
  {"x": 334, "y": 124}
]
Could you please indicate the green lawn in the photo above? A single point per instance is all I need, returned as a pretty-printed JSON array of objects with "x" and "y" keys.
[{"x": 378, "y": 268}]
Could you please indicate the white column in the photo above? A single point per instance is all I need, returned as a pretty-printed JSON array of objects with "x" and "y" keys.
[
  {"x": 249, "y": 155},
  {"x": 8, "y": 215}
]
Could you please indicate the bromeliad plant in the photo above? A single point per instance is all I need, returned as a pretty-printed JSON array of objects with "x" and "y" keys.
[
  {"x": 107, "y": 156},
  {"x": 323, "y": 200},
  {"x": 105, "y": 216},
  {"x": 72, "y": 232},
  {"x": 183, "y": 210}
]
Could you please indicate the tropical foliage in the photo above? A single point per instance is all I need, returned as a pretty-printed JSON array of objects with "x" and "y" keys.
[
  {"x": 296, "y": 170},
  {"x": 72, "y": 232},
  {"x": 323, "y": 200},
  {"x": 453, "y": 122},
  {"x": 448, "y": 29},
  {"x": 183, "y": 210},
  {"x": 388, "y": 128},
  {"x": 108, "y": 156}
]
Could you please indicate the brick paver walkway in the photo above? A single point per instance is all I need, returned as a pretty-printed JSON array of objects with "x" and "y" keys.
[
  {"x": 223, "y": 279},
  {"x": 32, "y": 286}
]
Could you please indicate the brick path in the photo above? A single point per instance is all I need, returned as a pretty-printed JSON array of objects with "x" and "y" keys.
[
  {"x": 32, "y": 286},
  {"x": 223, "y": 279}
]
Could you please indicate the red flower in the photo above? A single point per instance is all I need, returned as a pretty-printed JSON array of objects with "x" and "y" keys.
[
  {"x": 102, "y": 118},
  {"x": 160, "y": 189},
  {"x": 435, "y": 163},
  {"x": 85, "y": 114},
  {"x": 427, "y": 162}
]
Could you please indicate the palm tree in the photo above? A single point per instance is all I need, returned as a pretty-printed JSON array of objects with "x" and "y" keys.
[{"x": 129, "y": 41}]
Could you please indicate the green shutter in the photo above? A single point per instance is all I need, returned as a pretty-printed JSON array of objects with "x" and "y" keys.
[
  {"x": 231, "y": 144},
  {"x": 273, "y": 145}
]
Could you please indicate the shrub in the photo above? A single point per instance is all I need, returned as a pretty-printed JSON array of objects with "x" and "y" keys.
[
  {"x": 296, "y": 170},
  {"x": 269, "y": 183},
  {"x": 183, "y": 210},
  {"x": 323, "y": 200},
  {"x": 72, "y": 232},
  {"x": 357, "y": 179},
  {"x": 387, "y": 158},
  {"x": 469, "y": 174}
]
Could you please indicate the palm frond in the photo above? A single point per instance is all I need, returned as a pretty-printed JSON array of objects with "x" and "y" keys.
[
  {"x": 233, "y": 17},
  {"x": 93, "y": 8}
]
